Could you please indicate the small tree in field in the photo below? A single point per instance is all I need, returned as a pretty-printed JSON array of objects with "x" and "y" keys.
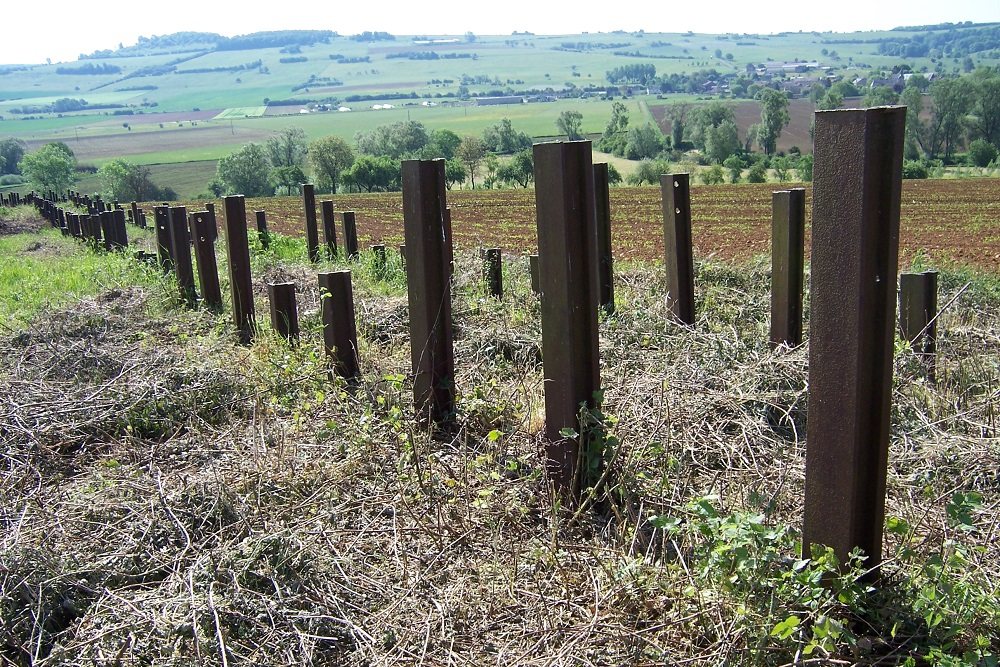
[
  {"x": 51, "y": 167},
  {"x": 569, "y": 123},
  {"x": 246, "y": 171},
  {"x": 471, "y": 154}
]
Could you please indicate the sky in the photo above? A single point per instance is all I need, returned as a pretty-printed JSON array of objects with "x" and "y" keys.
[{"x": 72, "y": 27}]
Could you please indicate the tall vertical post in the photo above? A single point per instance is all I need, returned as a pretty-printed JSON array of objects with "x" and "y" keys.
[
  {"x": 567, "y": 250},
  {"x": 340, "y": 338},
  {"x": 676, "y": 199},
  {"x": 202, "y": 226},
  {"x": 605, "y": 262},
  {"x": 164, "y": 246},
  {"x": 449, "y": 243},
  {"x": 329, "y": 228},
  {"x": 788, "y": 224},
  {"x": 284, "y": 313},
  {"x": 350, "y": 235},
  {"x": 181, "y": 251},
  {"x": 119, "y": 229},
  {"x": 428, "y": 289},
  {"x": 238, "y": 254},
  {"x": 856, "y": 198},
  {"x": 107, "y": 229},
  {"x": 493, "y": 272},
  {"x": 536, "y": 286},
  {"x": 917, "y": 313},
  {"x": 312, "y": 233},
  {"x": 262, "y": 234},
  {"x": 210, "y": 207},
  {"x": 134, "y": 208}
]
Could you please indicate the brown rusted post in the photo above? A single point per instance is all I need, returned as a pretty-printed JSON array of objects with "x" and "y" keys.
[
  {"x": 181, "y": 251},
  {"x": 202, "y": 224},
  {"x": 119, "y": 230},
  {"x": 676, "y": 200},
  {"x": 788, "y": 224},
  {"x": 262, "y": 234},
  {"x": 533, "y": 271},
  {"x": 107, "y": 229},
  {"x": 567, "y": 252},
  {"x": 917, "y": 313},
  {"x": 134, "y": 209},
  {"x": 210, "y": 207},
  {"x": 449, "y": 243},
  {"x": 312, "y": 232},
  {"x": 73, "y": 222},
  {"x": 238, "y": 254},
  {"x": 350, "y": 235},
  {"x": 284, "y": 314},
  {"x": 402, "y": 255},
  {"x": 493, "y": 272},
  {"x": 164, "y": 246},
  {"x": 329, "y": 228},
  {"x": 429, "y": 289},
  {"x": 605, "y": 261},
  {"x": 855, "y": 224},
  {"x": 340, "y": 338}
]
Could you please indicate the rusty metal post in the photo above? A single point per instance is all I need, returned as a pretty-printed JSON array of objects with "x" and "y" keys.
[
  {"x": 284, "y": 314},
  {"x": 493, "y": 272},
  {"x": 73, "y": 222},
  {"x": 350, "y": 235},
  {"x": 329, "y": 228},
  {"x": 202, "y": 225},
  {"x": 262, "y": 234},
  {"x": 120, "y": 230},
  {"x": 856, "y": 199},
  {"x": 402, "y": 255},
  {"x": 164, "y": 246},
  {"x": 210, "y": 207},
  {"x": 917, "y": 313},
  {"x": 567, "y": 251},
  {"x": 676, "y": 200},
  {"x": 134, "y": 208},
  {"x": 107, "y": 229},
  {"x": 181, "y": 251},
  {"x": 449, "y": 243},
  {"x": 533, "y": 271},
  {"x": 238, "y": 254},
  {"x": 340, "y": 338},
  {"x": 605, "y": 261},
  {"x": 312, "y": 233},
  {"x": 428, "y": 289},
  {"x": 788, "y": 224}
]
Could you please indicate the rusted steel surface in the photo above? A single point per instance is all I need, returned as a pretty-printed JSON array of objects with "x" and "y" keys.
[
  {"x": 238, "y": 255},
  {"x": 917, "y": 313},
  {"x": 107, "y": 229},
  {"x": 340, "y": 338},
  {"x": 262, "y": 234},
  {"x": 605, "y": 261},
  {"x": 284, "y": 313},
  {"x": 312, "y": 232},
  {"x": 164, "y": 246},
  {"x": 181, "y": 251},
  {"x": 329, "y": 228},
  {"x": 493, "y": 272},
  {"x": 679, "y": 257},
  {"x": 202, "y": 228},
  {"x": 351, "y": 235},
  {"x": 788, "y": 223},
  {"x": 428, "y": 289},
  {"x": 855, "y": 240},
  {"x": 449, "y": 245},
  {"x": 119, "y": 230},
  {"x": 533, "y": 271},
  {"x": 567, "y": 258}
]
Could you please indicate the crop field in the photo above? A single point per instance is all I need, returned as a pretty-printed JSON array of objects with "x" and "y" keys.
[
  {"x": 950, "y": 222},
  {"x": 241, "y": 112}
]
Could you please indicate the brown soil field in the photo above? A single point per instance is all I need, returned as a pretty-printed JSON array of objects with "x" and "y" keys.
[{"x": 952, "y": 222}]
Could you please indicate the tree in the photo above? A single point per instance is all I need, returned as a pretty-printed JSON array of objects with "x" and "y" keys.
[
  {"x": 471, "y": 153},
  {"x": 288, "y": 148},
  {"x": 454, "y": 172},
  {"x": 757, "y": 174},
  {"x": 913, "y": 134},
  {"x": 678, "y": 113},
  {"x": 287, "y": 179},
  {"x": 126, "y": 181},
  {"x": 735, "y": 166},
  {"x": 520, "y": 170},
  {"x": 952, "y": 101},
  {"x": 805, "y": 168},
  {"x": 49, "y": 168},
  {"x": 614, "y": 138},
  {"x": 721, "y": 141},
  {"x": 706, "y": 117},
  {"x": 781, "y": 166},
  {"x": 982, "y": 152},
  {"x": 503, "y": 139},
  {"x": 614, "y": 176},
  {"x": 373, "y": 173},
  {"x": 986, "y": 111},
  {"x": 649, "y": 171},
  {"x": 398, "y": 140},
  {"x": 713, "y": 175},
  {"x": 11, "y": 150},
  {"x": 246, "y": 171},
  {"x": 880, "y": 96},
  {"x": 831, "y": 99},
  {"x": 442, "y": 143},
  {"x": 569, "y": 123},
  {"x": 329, "y": 157},
  {"x": 773, "y": 118},
  {"x": 643, "y": 142}
]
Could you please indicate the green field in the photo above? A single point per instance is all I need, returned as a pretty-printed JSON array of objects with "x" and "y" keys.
[{"x": 241, "y": 112}]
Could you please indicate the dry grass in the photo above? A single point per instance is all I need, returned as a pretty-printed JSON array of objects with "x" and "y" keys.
[{"x": 171, "y": 499}]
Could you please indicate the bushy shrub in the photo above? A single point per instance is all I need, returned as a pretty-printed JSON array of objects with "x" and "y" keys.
[{"x": 914, "y": 169}]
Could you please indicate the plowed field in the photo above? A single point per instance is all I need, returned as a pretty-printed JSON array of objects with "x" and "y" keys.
[{"x": 951, "y": 221}]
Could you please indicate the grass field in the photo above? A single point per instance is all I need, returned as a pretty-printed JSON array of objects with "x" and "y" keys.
[{"x": 241, "y": 112}]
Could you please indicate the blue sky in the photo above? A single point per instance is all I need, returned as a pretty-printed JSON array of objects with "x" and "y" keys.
[{"x": 75, "y": 27}]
